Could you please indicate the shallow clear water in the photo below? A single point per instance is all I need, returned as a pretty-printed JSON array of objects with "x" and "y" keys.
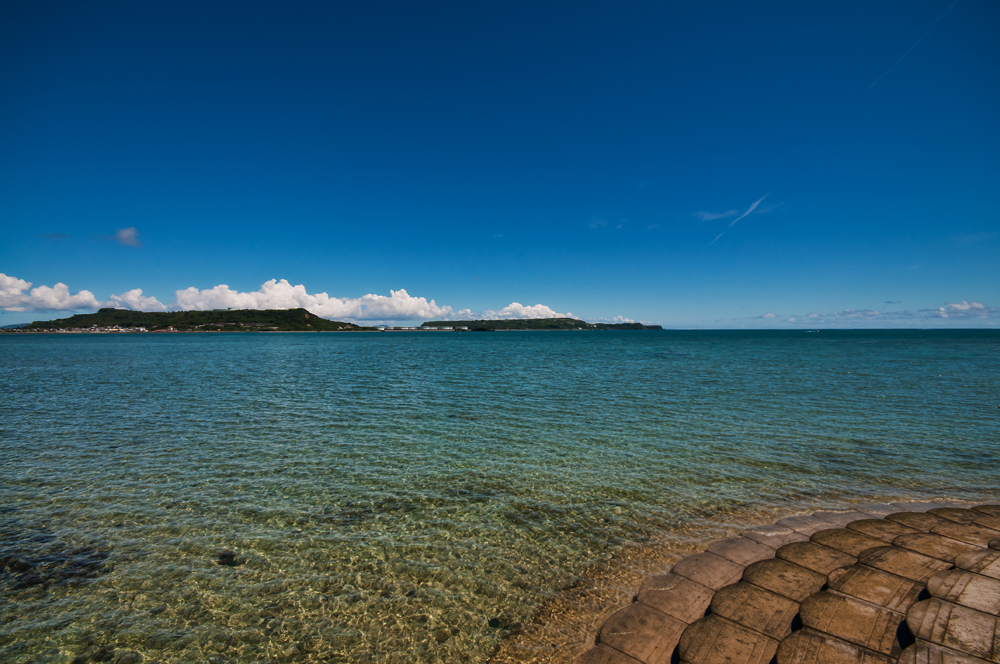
[{"x": 415, "y": 497}]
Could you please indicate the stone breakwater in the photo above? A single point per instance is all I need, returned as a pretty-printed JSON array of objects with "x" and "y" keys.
[{"x": 900, "y": 583}]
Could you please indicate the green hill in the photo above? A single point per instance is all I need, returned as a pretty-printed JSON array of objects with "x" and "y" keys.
[
  {"x": 538, "y": 324},
  {"x": 233, "y": 320}
]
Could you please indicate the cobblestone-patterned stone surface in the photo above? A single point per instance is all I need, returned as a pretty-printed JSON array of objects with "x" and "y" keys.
[{"x": 904, "y": 583}]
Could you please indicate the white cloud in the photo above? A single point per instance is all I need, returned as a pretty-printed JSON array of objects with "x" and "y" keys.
[
  {"x": 517, "y": 310},
  {"x": 135, "y": 301},
  {"x": 15, "y": 297},
  {"x": 276, "y": 294},
  {"x": 966, "y": 306},
  {"x": 768, "y": 315},
  {"x": 616, "y": 319},
  {"x": 960, "y": 313},
  {"x": 749, "y": 210},
  {"x": 12, "y": 290},
  {"x": 712, "y": 216},
  {"x": 753, "y": 206},
  {"x": 128, "y": 236},
  {"x": 864, "y": 313},
  {"x": 597, "y": 223},
  {"x": 652, "y": 227}
]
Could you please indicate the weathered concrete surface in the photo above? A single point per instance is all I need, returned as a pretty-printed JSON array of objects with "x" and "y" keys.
[
  {"x": 784, "y": 578},
  {"x": 935, "y": 546},
  {"x": 923, "y": 652},
  {"x": 808, "y": 646},
  {"x": 676, "y": 596},
  {"x": 954, "y": 514},
  {"x": 602, "y": 654},
  {"x": 815, "y": 557},
  {"x": 971, "y": 533},
  {"x": 846, "y": 541},
  {"x": 955, "y": 627},
  {"x": 991, "y": 510},
  {"x": 962, "y": 587},
  {"x": 986, "y": 563},
  {"x": 742, "y": 551},
  {"x": 774, "y": 536},
  {"x": 986, "y": 521},
  {"x": 709, "y": 570},
  {"x": 842, "y": 518},
  {"x": 757, "y": 609},
  {"x": 715, "y": 640},
  {"x": 882, "y": 529},
  {"x": 805, "y": 524},
  {"x": 904, "y": 583},
  {"x": 855, "y": 621},
  {"x": 642, "y": 632},
  {"x": 902, "y": 562},
  {"x": 873, "y": 585},
  {"x": 917, "y": 520}
]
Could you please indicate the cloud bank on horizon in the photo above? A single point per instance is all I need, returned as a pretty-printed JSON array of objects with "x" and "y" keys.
[
  {"x": 17, "y": 295},
  {"x": 963, "y": 310}
]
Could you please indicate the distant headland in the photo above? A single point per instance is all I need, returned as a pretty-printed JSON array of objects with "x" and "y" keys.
[
  {"x": 224, "y": 320},
  {"x": 283, "y": 320},
  {"x": 536, "y": 324}
]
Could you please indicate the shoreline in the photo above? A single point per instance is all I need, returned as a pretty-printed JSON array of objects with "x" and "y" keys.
[{"x": 567, "y": 624}]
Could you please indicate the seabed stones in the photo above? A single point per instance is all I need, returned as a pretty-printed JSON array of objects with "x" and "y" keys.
[{"x": 905, "y": 583}]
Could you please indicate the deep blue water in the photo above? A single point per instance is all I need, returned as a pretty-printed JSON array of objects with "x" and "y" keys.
[{"x": 413, "y": 497}]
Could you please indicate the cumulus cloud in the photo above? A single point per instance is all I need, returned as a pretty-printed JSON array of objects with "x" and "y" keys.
[
  {"x": 768, "y": 315},
  {"x": 135, "y": 301},
  {"x": 15, "y": 296},
  {"x": 966, "y": 306},
  {"x": 281, "y": 294},
  {"x": 962, "y": 310},
  {"x": 128, "y": 236},
  {"x": 518, "y": 310}
]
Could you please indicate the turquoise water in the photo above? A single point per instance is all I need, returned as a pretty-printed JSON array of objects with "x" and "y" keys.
[{"x": 415, "y": 497}]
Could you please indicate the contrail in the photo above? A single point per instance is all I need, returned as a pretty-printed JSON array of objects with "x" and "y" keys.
[
  {"x": 945, "y": 13},
  {"x": 749, "y": 210}
]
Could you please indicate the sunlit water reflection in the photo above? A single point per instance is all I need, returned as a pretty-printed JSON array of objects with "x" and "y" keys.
[{"x": 417, "y": 497}]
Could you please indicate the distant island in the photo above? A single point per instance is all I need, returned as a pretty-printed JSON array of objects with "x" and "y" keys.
[
  {"x": 282, "y": 320},
  {"x": 536, "y": 324},
  {"x": 224, "y": 320}
]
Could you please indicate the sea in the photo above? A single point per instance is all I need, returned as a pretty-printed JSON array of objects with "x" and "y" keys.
[{"x": 421, "y": 497}]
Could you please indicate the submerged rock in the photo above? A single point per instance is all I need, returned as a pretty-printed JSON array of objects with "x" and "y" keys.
[{"x": 227, "y": 558}]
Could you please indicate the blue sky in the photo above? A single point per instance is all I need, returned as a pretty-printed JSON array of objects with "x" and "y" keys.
[{"x": 415, "y": 160}]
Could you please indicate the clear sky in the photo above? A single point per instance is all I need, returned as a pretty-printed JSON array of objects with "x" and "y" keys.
[{"x": 692, "y": 164}]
